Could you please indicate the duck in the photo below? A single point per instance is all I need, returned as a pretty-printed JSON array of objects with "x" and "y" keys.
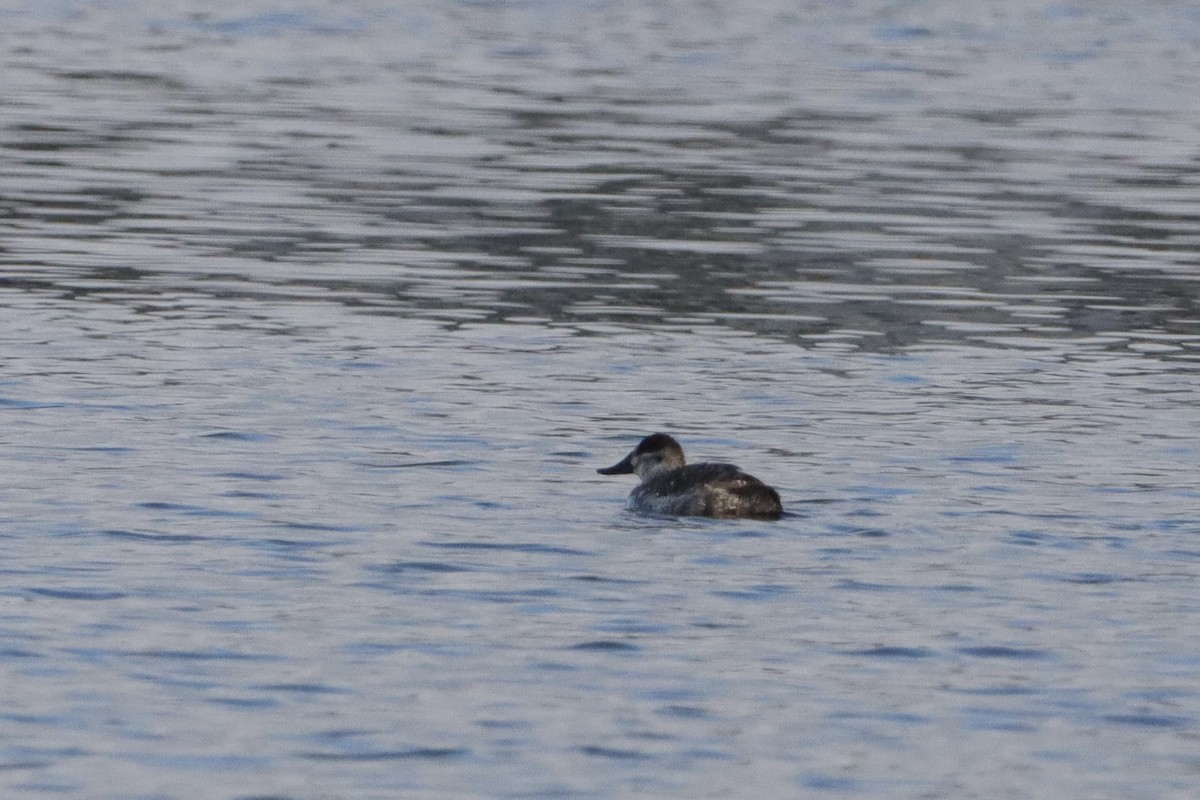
[{"x": 670, "y": 486}]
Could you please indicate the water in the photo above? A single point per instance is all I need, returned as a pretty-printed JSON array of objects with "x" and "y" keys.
[{"x": 317, "y": 321}]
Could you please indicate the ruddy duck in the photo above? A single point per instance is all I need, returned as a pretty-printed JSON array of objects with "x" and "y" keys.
[{"x": 669, "y": 486}]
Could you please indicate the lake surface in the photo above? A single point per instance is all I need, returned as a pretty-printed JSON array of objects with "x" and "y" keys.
[{"x": 316, "y": 320}]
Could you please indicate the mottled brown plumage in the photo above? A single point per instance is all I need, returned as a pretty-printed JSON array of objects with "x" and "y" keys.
[{"x": 672, "y": 486}]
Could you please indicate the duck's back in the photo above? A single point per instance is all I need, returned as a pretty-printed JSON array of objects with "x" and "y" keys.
[{"x": 708, "y": 490}]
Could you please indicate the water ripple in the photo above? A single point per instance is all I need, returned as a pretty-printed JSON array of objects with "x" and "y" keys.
[{"x": 316, "y": 323}]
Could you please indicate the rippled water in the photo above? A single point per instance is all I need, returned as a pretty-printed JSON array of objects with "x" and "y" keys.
[{"x": 316, "y": 321}]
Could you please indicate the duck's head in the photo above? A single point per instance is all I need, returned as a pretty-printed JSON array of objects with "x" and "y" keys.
[{"x": 654, "y": 454}]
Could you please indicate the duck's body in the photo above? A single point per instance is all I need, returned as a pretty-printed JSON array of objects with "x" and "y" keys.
[{"x": 671, "y": 486}]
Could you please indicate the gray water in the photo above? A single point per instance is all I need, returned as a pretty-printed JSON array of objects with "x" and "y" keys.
[{"x": 316, "y": 320}]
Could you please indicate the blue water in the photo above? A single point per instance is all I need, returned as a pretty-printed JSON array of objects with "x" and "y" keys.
[{"x": 315, "y": 323}]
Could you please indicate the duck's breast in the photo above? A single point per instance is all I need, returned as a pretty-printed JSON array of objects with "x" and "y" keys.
[{"x": 681, "y": 503}]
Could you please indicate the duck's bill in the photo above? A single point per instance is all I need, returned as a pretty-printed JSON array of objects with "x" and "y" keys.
[{"x": 622, "y": 467}]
